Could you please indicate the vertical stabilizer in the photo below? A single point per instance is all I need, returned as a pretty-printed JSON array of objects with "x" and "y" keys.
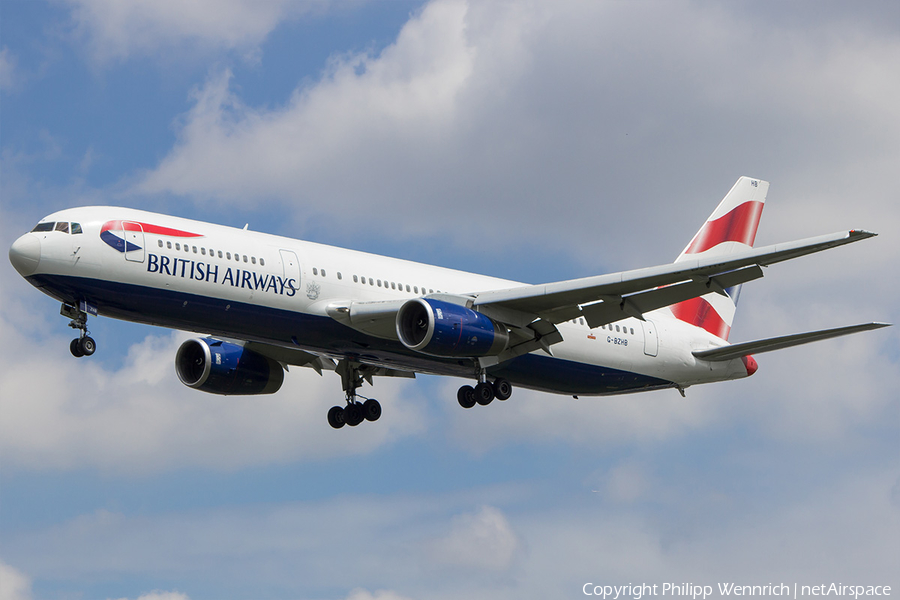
[{"x": 729, "y": 229}]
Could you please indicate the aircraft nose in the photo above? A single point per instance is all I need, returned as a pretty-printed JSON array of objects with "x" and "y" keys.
[{"x": 25, "y": 254}]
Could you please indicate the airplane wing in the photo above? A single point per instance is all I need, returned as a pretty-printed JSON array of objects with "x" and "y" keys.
[
  {"x": 301, "y": 358},
  {"x": 607, "y": 298},
  {"x": 777, "y": 343},
  {"x": 292, "y": 356},
  {"x": 532, "y": 312}
]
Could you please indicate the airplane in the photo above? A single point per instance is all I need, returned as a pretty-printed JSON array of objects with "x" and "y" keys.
[{"x": 265, "y": 303}]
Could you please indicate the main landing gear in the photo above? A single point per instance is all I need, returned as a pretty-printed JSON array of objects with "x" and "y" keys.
[
  {"x": 352, "y": 376},
  {"x": 84, "y": 344},
  {"x": 484, "y": 392}
]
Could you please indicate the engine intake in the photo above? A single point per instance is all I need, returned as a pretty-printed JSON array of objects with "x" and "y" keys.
[
  {"x": 218, "y": 367},
  {"x": 445, "y": 329}
]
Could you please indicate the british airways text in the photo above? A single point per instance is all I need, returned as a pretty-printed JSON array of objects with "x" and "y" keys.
[{"x": 201, "y": 271}]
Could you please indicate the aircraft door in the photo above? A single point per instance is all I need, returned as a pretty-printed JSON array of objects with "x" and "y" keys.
[
  {"x": 651, "y": 339},
  {"x": 291, "y": 268},
  {"x": 134, "y": 241}
]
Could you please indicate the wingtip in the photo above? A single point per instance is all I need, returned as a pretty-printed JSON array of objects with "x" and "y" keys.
[{"x": 862, "y": 233}]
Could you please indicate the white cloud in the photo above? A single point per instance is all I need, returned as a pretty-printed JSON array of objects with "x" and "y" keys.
[
  {"x": 404, "y": 98},
  {"x": 361, "y": 594},
  {"x": 7, "y": 69},
  {"x": 117, "y": 30},
  {"x": 480, "y": 540},
  {"x": 528, "y": 120},
  {"x": 14, "y": 585},
  {"x": 140, "y": 418},
  {"x": 700, "y": 529},
  {"x": 158, "y": 595}
]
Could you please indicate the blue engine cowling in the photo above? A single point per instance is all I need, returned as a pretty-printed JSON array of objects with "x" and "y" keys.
[
  {"x": 445, "y": 329},
  {"x": 221, "y": 368}
]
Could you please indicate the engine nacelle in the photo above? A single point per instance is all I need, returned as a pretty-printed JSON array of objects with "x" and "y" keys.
[
  {"x": 221, "y": 368},
  {"x": 445, "y": 329}
]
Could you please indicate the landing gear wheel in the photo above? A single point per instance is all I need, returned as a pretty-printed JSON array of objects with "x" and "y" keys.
[
  {"x": 371, "y": 409},
  {"x": 484, "y": 393},
  {"x": 502, "y": 389},
  {"x": 466, "y": 396},
  {"x": 336, "y": 417},
  {"x": 75, "y": 348},
  {"x": 353, "y": 414},
  {"x": 87, "y": 345}
]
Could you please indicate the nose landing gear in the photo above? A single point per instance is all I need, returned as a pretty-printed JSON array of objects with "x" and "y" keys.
[{"x": 84, "y": 344}]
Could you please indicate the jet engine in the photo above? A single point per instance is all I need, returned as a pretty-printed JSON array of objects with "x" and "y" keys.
[
  {"x": 218, "y": 367},
  {"x": 445, "y": 329}
]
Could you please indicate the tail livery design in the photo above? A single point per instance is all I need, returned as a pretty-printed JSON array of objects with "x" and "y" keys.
[{"x": 730, "y": 229}]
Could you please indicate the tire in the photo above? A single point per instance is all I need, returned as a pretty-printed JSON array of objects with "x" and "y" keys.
[
  {"x": 371, "y": 409},
  {"x": 87, "y": 345},
  {"x": 484, "y": 393},
  {"x": 75, "y": 348},
  {"x": 336, "y": 417},
  {"x": 502, "y": 389},
  {"x": 353, "y": 414},
  {"x": 466, "y": 396}
]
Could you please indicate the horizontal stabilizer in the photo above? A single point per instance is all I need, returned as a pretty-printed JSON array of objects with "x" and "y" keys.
[{"x": 777, "y": 343}]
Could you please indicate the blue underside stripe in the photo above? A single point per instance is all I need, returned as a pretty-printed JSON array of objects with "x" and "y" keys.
[{"x": 229, "y": 318}]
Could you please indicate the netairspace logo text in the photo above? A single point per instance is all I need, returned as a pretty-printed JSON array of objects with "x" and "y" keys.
[{"x": 698, "y": 592}]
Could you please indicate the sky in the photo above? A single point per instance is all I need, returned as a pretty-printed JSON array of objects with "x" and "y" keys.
[{"x": 527, "y": 140}]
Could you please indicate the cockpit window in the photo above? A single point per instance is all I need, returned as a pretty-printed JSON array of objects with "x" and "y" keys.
[
  {"x": 76, "y": 228},
  {"x": 43, "y": 227},
  {"x": 62, "y": 226}
]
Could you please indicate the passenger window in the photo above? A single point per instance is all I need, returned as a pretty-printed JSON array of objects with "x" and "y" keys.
[
  {"x": 177, "y": 246},
  {"x": 323, "y": 272},
  {"x": 220, "y": 253},
  {"x": 415, "y": 289},
  {"x": 76, "y": 228},
  {"x": 379, "y": 283},
  {"x": 245, "y": 258},
  {"x": 355, "y": 279},
  {"x": 632, "y": 331},
  {"x": 203, "y": 251},
  {"x": 371, "y": 281},
  {"x": 262, "y": 262},
  {"x": 617, "y": 329},
  {"x": 62, "y": 226},
  {"x": 315, "y": 271},
  {"x": 407, "y": 287},
  {"x": 169, "y": 245},
  {"x": 159, "y": 242},
  {"x": 339, "y": 275},
  {"x": 194, "y": 249},
  {"x": 393, "y": 286},
  {"x": 253, "y": 260},
  {"x": 227, "y": 255}
]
